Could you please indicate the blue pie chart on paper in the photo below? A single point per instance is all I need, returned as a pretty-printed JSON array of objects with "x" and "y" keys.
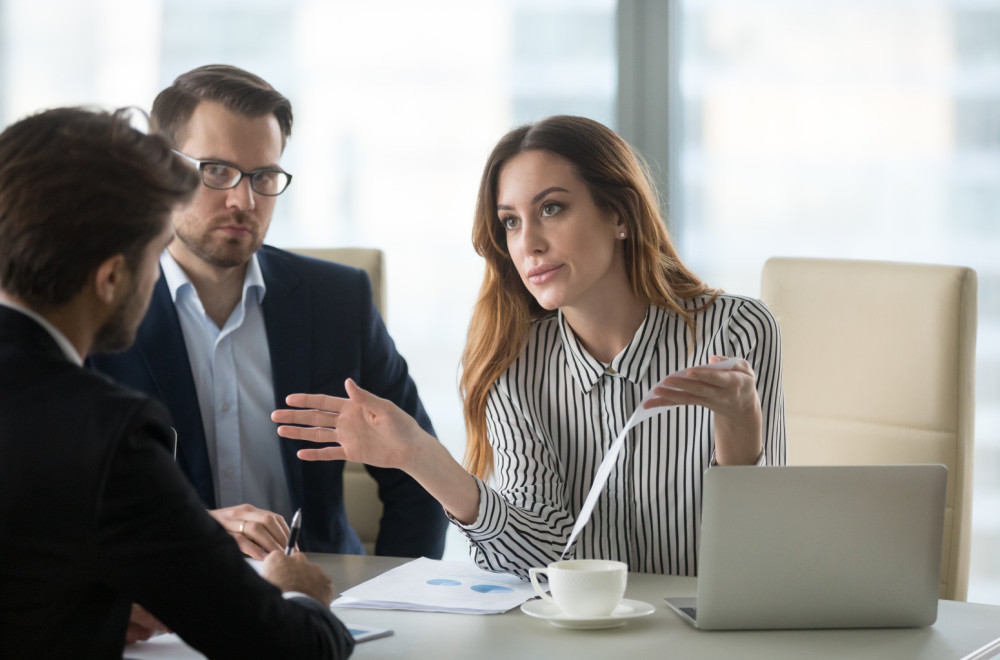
[
  {"x": 443, "y": 582},
  {"x": 487, "y": 588}
]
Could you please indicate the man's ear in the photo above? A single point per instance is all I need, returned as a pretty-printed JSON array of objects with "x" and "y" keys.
[{"x": 111, "y": 278}]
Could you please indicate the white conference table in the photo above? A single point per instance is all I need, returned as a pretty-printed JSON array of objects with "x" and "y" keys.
[{"x": 961, "y": 630}]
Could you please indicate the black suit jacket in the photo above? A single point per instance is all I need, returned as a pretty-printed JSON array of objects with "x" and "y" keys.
[
  {"x": 322, "y": 328},
  {"x": 95, "y": 515}
]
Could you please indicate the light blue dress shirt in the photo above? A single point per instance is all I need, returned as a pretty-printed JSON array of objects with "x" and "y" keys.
[{"x": 232, "y": 373}]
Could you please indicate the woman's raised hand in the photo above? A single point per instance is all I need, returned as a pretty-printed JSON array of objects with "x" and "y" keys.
[
  {"x": 731, "y": 394},
  {"x": 362, "y": 428},
  {"x": 366, "y": 429}
]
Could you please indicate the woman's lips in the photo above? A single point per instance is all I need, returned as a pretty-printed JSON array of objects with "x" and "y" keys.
[{"x": 542, "y": 274}]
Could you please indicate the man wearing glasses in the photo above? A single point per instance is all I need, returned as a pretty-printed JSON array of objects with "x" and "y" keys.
[{"x": 235, "y": 326}]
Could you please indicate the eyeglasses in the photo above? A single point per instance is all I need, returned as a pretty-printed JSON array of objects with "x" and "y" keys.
[{"x": 223, "y": 176}]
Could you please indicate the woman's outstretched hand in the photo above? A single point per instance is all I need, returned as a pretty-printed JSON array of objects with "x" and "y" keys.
[
  {"x": 363, "y": 428},
  {"x": 366, "y": 429}
]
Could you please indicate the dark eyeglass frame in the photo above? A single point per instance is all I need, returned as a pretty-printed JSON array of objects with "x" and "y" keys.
[{"x": 202, "y": 164}]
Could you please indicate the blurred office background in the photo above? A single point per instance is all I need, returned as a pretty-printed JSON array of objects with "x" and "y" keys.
[{"x": 857, "y": 129}]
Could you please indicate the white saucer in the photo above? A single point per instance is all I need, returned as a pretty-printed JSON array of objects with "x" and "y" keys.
[{"x": 627, "y": 609}]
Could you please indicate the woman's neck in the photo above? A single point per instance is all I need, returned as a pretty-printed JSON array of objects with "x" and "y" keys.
[{"x": 605, "y": 329}]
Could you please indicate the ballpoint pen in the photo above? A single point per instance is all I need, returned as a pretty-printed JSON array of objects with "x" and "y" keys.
[{"x": 293, "y": 534}]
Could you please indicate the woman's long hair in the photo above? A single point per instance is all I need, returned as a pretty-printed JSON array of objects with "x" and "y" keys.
[{"x": 617, "y": 182}]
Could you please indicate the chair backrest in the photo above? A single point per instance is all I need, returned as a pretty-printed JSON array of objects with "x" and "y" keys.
[
  {"x": 370, "y": 260},
  {"x": 361, "y": 499},
  {"x": 879, "y": 367}
]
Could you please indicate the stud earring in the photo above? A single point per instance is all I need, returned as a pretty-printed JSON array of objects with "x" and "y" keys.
[{"x": 621, "y": 235}]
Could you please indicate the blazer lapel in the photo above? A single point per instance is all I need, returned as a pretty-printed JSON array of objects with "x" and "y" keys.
[
  {"x": 287, "y": 320},
  {"x": 160, "y": 342}
]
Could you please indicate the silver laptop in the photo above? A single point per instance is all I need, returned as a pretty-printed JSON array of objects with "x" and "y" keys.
[{"x": 819, "y": 547}]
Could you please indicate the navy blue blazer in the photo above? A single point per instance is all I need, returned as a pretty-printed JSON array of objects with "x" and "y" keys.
[{"x": 322, "y": 328}]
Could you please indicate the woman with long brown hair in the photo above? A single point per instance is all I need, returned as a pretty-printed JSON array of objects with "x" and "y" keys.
[{"x": 584, "y": 308}]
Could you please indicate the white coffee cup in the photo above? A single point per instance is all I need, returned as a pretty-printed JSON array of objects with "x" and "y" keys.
[{"x": 583, "y": 587}]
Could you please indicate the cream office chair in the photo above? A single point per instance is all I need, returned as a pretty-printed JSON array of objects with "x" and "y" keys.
[
  {"x": 364, "y": 508},
  {"x": 879, "y": 362}
]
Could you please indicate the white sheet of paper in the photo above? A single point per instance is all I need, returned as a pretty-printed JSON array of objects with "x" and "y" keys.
[
  {"x": 640, "y": 415},
  {"x": 431, "y": 585},
  {"x": 161, "y": 647}
]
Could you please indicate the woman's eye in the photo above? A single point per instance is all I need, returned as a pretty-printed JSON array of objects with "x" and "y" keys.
[
  {"x": 510, "y": 221},
  {"x": 551, "y": 209}
]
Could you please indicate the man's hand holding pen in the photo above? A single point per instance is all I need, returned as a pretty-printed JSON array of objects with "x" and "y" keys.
[
  {"x": 295, "y": 573},
  {"x": 290, "y": 571}
]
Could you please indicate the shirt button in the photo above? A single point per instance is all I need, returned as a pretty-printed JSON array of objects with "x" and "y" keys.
[
  {"x": 224, "y": 407},
  {"x": 610, "y": 372}
]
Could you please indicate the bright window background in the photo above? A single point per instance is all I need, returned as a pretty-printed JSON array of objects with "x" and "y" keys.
[
  {"x": 861, "y": 128},
  {"x": 854, "y": 129},
  {"x": 397, "y": 104}
]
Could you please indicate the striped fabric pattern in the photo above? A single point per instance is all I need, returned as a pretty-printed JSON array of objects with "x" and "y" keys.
[{"x": 556, "y": 411}]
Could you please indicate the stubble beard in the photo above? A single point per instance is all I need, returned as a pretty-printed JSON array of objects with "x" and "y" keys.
[
  {"x": 224, "y": 253},
  {"x": 119, "y": 330}
]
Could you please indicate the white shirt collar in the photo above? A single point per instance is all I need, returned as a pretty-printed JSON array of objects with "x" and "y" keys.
[
  {"x": 631, "y": 363},
  {"x": 64, "y": 344},
  {"x": 177, "y": 279}
]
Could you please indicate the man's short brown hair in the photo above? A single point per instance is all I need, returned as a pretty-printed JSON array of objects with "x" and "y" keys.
[
  {"x": 239, "y": 91},
  {"x": 78, "y": 186}
]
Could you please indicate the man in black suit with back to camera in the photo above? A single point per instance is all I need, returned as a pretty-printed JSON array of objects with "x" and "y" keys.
[{"x": 95, "y": 515}]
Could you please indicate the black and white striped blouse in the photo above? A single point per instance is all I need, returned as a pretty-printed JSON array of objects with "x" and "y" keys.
[{"x": 556, "y": 411}]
